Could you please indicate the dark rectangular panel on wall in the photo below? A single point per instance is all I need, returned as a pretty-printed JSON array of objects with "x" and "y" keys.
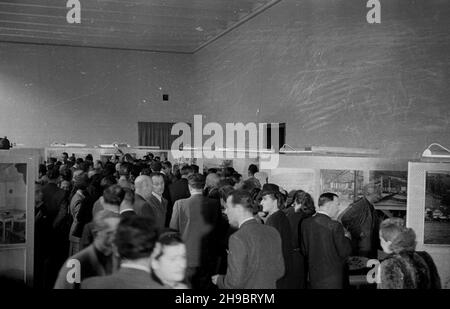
[
  {"x": 281, "y": 136},
  {"x": 156, "y": 134}
]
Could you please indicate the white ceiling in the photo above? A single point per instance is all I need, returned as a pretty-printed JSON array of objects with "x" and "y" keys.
[{"x": 182, "y": 26}]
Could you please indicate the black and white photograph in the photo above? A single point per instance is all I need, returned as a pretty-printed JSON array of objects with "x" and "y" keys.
[
  {"x": 347, "y": 184},
  {"x": 215, "y": 145},
  {"x": 393, "y": 191},
  {"x": 437, "y": 208}
]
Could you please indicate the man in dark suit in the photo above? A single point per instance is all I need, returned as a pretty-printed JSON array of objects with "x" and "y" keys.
[
  {"x": 180, "y": 189},
  {"x": 196, "y": 219},
  {"x": 135, "y": 240},
  {"x": 157, "y": 201},
  {"x": 325, "y": 245},
  {"x": 95, "y": 260},
  {"x": 55, "y": 245},
  {"x": 255, "y": 258}
]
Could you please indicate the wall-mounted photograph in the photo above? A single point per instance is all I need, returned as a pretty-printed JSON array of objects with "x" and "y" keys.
[
  {"x": 347, "y": 184},
  {"x": 437, "y": 208},
  {"x": 393, "y": 188}
]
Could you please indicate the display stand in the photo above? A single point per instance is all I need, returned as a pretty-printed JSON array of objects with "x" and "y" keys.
[{"x": 18, "y": 172}]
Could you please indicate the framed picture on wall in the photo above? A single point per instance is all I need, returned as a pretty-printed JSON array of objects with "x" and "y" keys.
[
  {"x": 348, "y": 184},
  {"x": 437, "y": 208},
  {"x": 393, "y": 187}
]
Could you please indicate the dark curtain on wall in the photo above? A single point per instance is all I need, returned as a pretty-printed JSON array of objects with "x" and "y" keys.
[{"x": 156, "y": 134}]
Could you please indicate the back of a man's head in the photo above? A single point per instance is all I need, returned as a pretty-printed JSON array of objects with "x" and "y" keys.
[
  {"x": 156, "y": 166},
  {"x": 124, "y": 169},
  {"x": 252, "y": 169},
  {"x": 196, "y": 181},
  {"x": 113, "y": 195},
  {"x": 136, "y": 237},
  {"x": 166, "y": 165},
  {"x": 326, "y": 198},
  {"x": 53, "y": 173},
  {"x": 186, "y": 170},
  {"x": 243, "y": 199}
]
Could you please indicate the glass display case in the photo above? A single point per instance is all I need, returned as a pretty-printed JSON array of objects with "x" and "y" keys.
[{"x": 17, "y": 203}]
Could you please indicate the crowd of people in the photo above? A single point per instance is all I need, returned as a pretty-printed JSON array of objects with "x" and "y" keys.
[{"x": 148, "y": 224}]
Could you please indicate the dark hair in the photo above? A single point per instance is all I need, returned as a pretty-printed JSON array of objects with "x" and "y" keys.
[
  {"x": 303, "y": 198},
  {"x": 129, "y": 195},
  {"x": 186, "y": 170},
  {"x": 170, "y": 238},
  {"x": 326, "y": 197},
  {"x": 136, "y": 237},
  {"x": 242, "y": 198},
  {"x": 125, "y": 169},
  {"x": 107, "y": 182},
  {"x": 195, "y": 168},
  {"x": 156, "y": 166},
  {"x": 248, "y": 185},
  {"x": 196, "y": 181},
  {"x": 226, "y": 182},
  {"x": 146, "y": 171},
  {"x": 252, "y": 168},
  {"x": 66, "y": 173},
  {"x": 212, "y": 170},
  {"x": 53, "y": 173},
  {"x": 236, "y": 177},
  {"x": 79, "y": 161},
  {"x": 65, "y": 154},
  {"x": 114, "y": 195},
  {"x": 166, "y": 164},
  {"x": 228, "y": 171},
  {"x": 89, "y": 157},
  {"x": 225, "y": 191},
  {"x": 42, "y": 169}
]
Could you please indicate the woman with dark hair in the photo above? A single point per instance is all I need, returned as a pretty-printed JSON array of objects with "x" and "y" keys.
[
  {"x": 404, "y": 268},
  {"x": 168, "y": 262},
  {"x": 300, "y": 207}
]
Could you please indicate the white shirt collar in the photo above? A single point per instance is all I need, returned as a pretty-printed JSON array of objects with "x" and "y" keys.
[
  {"x": 125, "y": 210},
  {"x": 157, "y": 196},
  {"x": 135, "y": 266},
  {"x": 248, "y": 219},
  {"x": 196, "y": 193},
  {"x": 323, "y": 213}
]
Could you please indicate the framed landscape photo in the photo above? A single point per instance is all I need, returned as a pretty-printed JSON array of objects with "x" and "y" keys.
[{"x": 437, "y": 208}]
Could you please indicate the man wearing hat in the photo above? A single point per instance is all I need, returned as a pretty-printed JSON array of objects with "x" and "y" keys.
[{"x": 272, "y": 200}]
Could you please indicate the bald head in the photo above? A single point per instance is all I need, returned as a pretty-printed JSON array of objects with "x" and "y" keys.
[
  {"x": 143, "y": 186},
  {"x": 212, "y": 180}
]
